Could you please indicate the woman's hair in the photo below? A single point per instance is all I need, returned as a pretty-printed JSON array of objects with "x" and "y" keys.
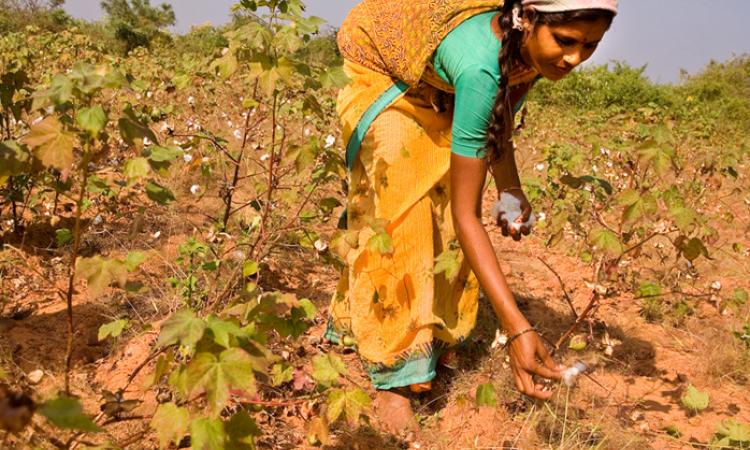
[{"x": 500, "y": 129}]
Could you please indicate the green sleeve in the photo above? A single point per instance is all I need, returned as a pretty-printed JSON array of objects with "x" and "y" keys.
[{"x": 476, "y": 89}]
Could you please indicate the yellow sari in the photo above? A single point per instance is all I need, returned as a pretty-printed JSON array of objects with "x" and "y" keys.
[
  {"x": 399, "y": 311},
  {"x": 401, "y": 314}
]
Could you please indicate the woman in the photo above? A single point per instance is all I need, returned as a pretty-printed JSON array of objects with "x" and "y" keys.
[{"x": 428, "y": 113}]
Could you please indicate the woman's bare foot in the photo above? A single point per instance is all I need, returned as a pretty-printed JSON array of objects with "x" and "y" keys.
[{"x": 395, "y": 413}]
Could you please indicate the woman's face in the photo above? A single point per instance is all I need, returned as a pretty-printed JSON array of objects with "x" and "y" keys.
[{"x": 555, "y": 50}]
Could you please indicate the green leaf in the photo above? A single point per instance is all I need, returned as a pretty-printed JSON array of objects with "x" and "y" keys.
[
  {"x": 92, "y": 120},
  {"x": 136, "y": 169},
  {"x": 486, "y": 395},
  {"x": 225, "y": 66},
  {"x": 240, "y": 430},
  {"x": 223, "y": 330},
  {"x": 60, "y": 90},
  {"x": 578, "y": 343},
  {"x": 628, "y": 197},
  {"x": 133, "y": 260},
  {"x": 735, "y": 432},
  {"x": 695, "y": 400},
  {"x": 739, "y": 296},
  {"x": 182, "y": 328},
  {"x": 659, "y": 155},
  {"x": 642, "y": 206},
  {"x": 207, "y": 434},
  {"x": 381, "y": 243},
  {"x": 351, "y": 403},
  {"x": 159, "y": 154},
  {"x": 113, "y": 329},
  {"x": 181, "y": 81},
  {"x": 131, "y": 128},
  {"x": 52, "y": 145},
  {"x": 14, "y": 159},
  {"x": 63, "y": 237},
  {"x": 101, "y": 272},
  {"x": 170, "y": 423},
  {"x": 334, "y": 78},
  {"x": 449, "y": 264},
  {"x": 673, "y": 431},
  {"x": 692, "y": 249},
  {"x": 232, "y": 369},
  {"x": 66, "y": 412},
  {"x": 249, "y": 268},
  {"x": 605, "y": 241},
  {"x": 683, "y": 217},
  {"x": 114, "y": 79},
  {"x": 303, "y": 156},
  {"x": 648, "y": 289},
  {"x": 308, "y": 307},
  {"x": 327, "y": 368},
  {"x": 281, "y": 373},
  {"x": 159, "y": 193}
]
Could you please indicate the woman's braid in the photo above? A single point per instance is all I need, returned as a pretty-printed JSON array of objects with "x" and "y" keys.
[{"x": 500, "y": 129}]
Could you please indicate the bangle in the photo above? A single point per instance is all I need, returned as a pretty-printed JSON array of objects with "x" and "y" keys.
[
  {"x": 512, "y": 188},
  {"x": 518, "y": 335}
]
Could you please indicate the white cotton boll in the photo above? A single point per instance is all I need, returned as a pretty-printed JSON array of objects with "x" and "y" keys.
[
  {"x": 187, "y": 157},
  {"x": 594, "y": 169},
  {"x": 224, "y": 51},
  {"x": 500, "y": 340},
  {"x": 237, "y": 134},
  {"x": 149, "y": 94},
  {"x": 195, "y": 189},
  {"x": 191, "y": 100},
  {"x": 510, "y": 207},
  {"x": 230, "y": 124},
  {"x": 205, "y": 159},
  {"x": 306, "y": 132},
  {"x": 539, "y": 167},
  {"x": 98, "y": 219},
  {"x": 265, "y": 157},
  {"x": 570, "y": 374},
  {"x": 321, "y": 245},
  {"x": 146, "y": 141},
  {"x": 542, "y": 216},
  {"x": 330, "y": 140},
  {"x": 716, "y": 285}
]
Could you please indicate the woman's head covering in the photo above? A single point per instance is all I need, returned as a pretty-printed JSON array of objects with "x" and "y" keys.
[{"x": 555, "y": 6}]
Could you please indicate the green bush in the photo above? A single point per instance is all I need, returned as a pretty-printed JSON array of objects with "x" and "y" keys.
[
  {"x": 135, "y": 23},
  {"x": 617, "y": 88}
]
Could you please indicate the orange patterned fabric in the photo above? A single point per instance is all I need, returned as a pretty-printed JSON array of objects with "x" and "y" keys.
[{"x": 398, "y": 37}]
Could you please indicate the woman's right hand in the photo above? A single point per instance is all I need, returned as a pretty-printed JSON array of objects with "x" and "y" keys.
[
  {"x": 526, "y": 210},
  {"x": 525, "y": 353}
]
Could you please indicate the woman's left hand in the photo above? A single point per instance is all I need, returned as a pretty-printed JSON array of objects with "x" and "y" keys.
[{"x": 515, "y": 232}]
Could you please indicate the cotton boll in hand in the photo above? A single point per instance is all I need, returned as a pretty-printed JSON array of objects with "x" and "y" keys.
[
  {"x": 510, "y": 207},
  {"x": 570, "y": 375}
]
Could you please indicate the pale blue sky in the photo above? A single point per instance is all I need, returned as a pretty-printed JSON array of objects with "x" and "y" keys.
[{"x": 667, "y": 35}]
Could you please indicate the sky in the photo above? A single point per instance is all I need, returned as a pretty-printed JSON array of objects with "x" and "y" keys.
[{"x": 663, "y": 35}]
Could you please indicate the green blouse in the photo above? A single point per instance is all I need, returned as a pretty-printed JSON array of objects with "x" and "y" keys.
[{"x": 467, "y": 59}]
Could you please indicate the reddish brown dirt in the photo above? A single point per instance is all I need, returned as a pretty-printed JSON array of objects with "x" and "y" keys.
[{"x": 637, "y": 396}]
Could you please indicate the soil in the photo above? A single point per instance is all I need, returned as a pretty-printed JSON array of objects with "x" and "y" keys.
[{"x": 630, "y": 400}]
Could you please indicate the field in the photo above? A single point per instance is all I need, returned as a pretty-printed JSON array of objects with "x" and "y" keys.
[{"x": 169, "y": 248}]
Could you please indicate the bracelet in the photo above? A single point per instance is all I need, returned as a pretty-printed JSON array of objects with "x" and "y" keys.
[
  {"x": 512, "y": 188},
  {"x": 518, "y": 335}
]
